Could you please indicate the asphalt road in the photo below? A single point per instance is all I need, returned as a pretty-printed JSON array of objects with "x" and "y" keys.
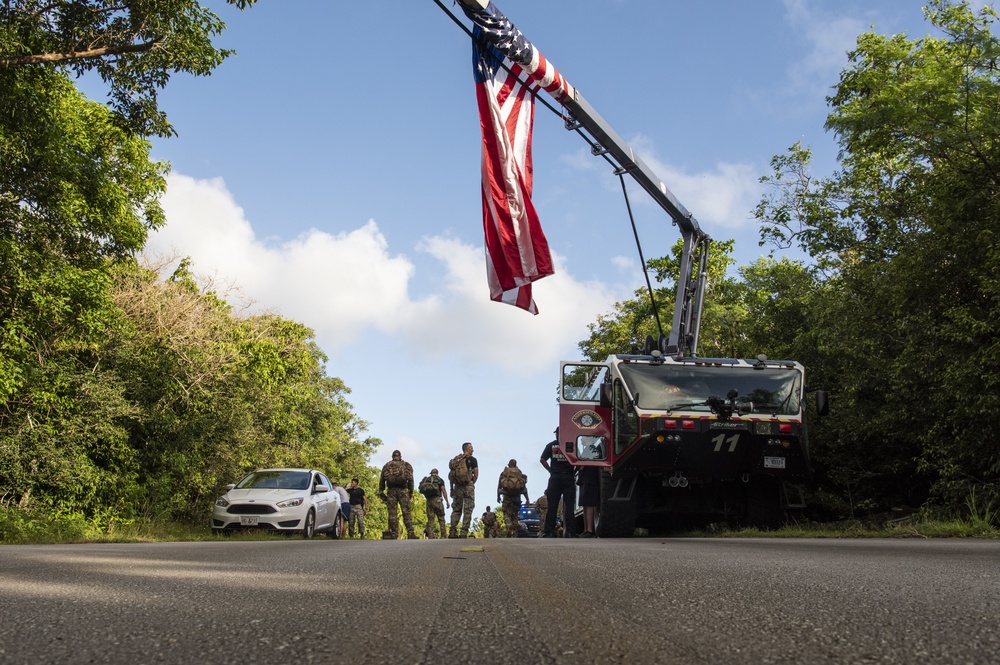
[{"x": 521, "y": 601}]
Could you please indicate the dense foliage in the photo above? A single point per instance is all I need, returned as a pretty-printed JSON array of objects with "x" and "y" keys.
[
  {"x": 135, "y": 47},
  {"x": 180, "y": 398},
  {"x": 124, "y": 397},
  {"x": 898, "y": 313}
]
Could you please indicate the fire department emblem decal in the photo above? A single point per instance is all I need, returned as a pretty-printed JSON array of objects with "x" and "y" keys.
[{"x": 587, "y": 419}]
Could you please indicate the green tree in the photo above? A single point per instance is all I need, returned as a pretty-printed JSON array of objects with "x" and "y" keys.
[
  {"x": 77, "y": 189},
  {"x": 906, "y": 233},
  {"x": 133, "y": 46},
  {"x": 221, "y": 394},
  {"x": 76, "y": 194},
  {"x": 183, "y": 397},
  {"x": 627, "y": 326}
]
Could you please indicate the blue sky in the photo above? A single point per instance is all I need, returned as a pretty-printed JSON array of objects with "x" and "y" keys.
[{"x": 329, "y": 172}]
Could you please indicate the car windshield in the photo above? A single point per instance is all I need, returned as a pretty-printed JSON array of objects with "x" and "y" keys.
[
  {"x": 773, "y": 390},
  {"x": 275, "y": 480},
  {"x": 529, "y": 514}
]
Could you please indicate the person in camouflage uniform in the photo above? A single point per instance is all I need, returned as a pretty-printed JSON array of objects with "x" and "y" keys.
[
  {"x": 542, "y": 505},
  {"x": 395, "y": 487},
  {"x": 516, "y": 487},
  {"x": 435, "y": 507},
  {"x": 463, "y": 495},
  {"x": 491, "y": 527}
]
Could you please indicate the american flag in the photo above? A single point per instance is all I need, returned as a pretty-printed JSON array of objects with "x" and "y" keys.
[{"x": 517, "y": 252}]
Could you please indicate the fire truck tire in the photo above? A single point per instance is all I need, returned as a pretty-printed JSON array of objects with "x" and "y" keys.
[
  {"x": 765, "y": 505},
  {"x": 615, "y": 518}
]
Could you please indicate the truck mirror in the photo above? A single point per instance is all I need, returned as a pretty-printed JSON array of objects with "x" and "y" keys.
[
  {"x": 606, "y": 400},
  {"x": 648, "y": 347},
  {"x": 822, "y": 402}
]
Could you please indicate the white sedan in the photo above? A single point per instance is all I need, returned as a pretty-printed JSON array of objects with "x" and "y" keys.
[{"x": 286, "y": 500}]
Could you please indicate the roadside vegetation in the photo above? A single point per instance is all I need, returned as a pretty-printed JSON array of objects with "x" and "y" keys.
[{"x": 129, "y": 398}]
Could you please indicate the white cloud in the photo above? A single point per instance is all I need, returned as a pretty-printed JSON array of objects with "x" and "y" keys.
[
  {"x": 471, "y": 324},
  {"x": 830, "y": 38},
  {"x": 625, "y": 264},
  {"x": 338, "y": 284},
  {"x": 723, "y": 197},
  {"x": 342, "y": 284}
]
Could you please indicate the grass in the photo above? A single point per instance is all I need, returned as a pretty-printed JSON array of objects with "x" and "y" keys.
[
  {"x": 18, "y": 527},
  {"x": 23, "y": 528},
  {"x": 912, "y": 527}
]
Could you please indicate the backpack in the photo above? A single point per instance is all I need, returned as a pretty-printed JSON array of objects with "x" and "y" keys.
[
  {"x": 429, "y": 488},
  {"x": 395, "y": 472},
  {"x": 459, "y": 474},
  {"x": 512, "y": 480}
]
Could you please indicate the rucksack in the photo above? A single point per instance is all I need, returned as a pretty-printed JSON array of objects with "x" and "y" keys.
[
  {"x": 512, "y": 480},
  {"x": 459, "y": 473},
  {"x": 429, "y": 488},
  {"x": 395, "y": 473}
]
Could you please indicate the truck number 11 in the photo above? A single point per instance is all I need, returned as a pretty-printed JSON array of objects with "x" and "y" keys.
[{"x": 719, "y": 440}]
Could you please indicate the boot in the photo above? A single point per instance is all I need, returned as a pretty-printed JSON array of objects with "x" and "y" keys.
[
  {"x": 452, "y": 533},
  {"x": 412, "y": 536}
]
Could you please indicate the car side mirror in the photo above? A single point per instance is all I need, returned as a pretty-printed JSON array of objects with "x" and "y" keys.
[{"x": 320, "y": 489}]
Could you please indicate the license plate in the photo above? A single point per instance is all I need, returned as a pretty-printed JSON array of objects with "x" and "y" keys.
[
  {"x": 774, "y": 462},
  {"x": 249, "y": 520}
]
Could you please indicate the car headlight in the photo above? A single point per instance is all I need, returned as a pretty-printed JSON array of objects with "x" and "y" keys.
[
  {"x": 221, "y": 502},
  {"x": 290, "y": 503}
]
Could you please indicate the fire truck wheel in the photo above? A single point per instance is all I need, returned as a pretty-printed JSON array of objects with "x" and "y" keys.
[{"x": 615, "y": 518}]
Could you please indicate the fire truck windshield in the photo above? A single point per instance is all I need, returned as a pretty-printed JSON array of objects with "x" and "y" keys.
[{"x": 773, "y": 390}]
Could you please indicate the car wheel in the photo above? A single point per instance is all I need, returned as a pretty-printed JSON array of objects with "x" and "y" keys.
[
  {"x": 337, "y": 528},
  {"x": 309, "y": 530}
]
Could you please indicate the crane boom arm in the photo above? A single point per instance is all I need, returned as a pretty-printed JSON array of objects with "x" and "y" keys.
[{"x": 693, "y": 273}]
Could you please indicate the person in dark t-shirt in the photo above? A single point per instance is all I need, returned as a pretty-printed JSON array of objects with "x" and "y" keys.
[
  {"x": 359, "y": 506},
  {"x": 562, "y": 485}
]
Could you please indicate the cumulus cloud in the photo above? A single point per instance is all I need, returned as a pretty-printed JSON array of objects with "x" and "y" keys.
[
  {"x": 338, "y": 283},
  {"x": 478, "y": 327},
  {"x": 342, "y": 284}
]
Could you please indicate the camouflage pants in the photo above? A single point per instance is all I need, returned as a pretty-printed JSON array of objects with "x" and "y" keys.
[
  {"x": 511, "y": 514},
  {"x": 357, "y": 517},
  {"x": 435, "y": 513},
  {"x": 400, "y": 496},
  {"x": 463, "y": 500}
]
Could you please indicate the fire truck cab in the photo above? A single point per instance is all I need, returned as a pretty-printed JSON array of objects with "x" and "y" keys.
[{"x": 686, "y": 439}]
